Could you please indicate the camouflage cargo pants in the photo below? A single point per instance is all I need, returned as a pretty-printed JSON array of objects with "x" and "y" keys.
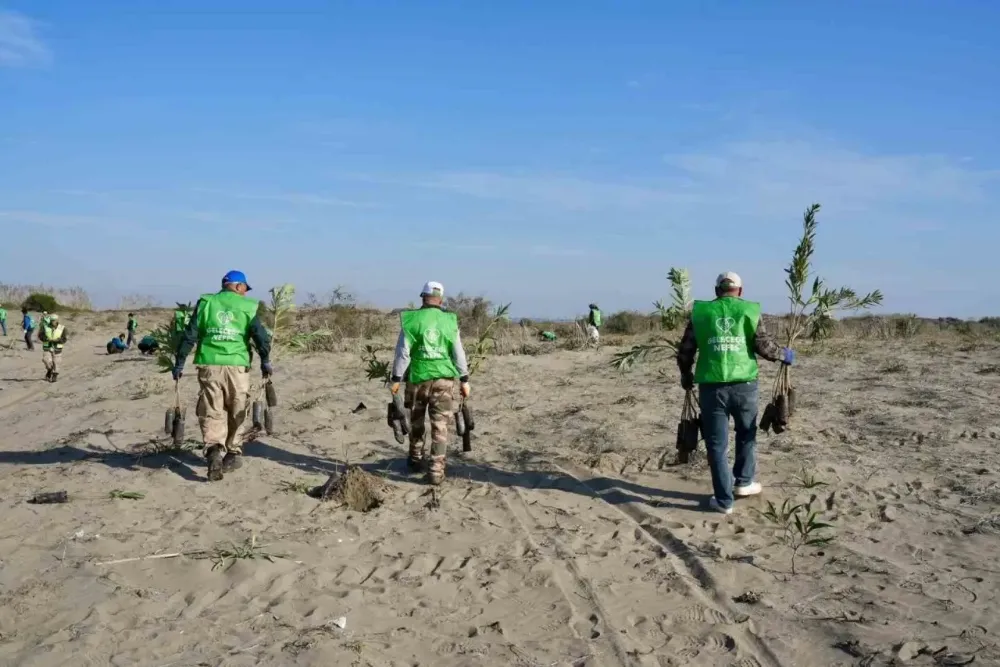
[
  {"x": 222, "y": 405},
  {"x": 50, "y": 359},
  {"x": 436, "y": 397}
]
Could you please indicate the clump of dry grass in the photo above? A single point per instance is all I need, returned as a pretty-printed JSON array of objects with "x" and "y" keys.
[
  {"x": 355, "y": 488},
  {"x": 74, "y": 298}
]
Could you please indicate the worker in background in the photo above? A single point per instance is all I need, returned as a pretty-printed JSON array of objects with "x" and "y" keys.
[
  {"x": 149, "y": 345},
  {"x": 53, "y": 338},
  {"x": 594, "y": 324},
  {"x": 28, "y": 326},
  {"x": 222, "y": 326},
  {"x": 131, "y": 328},
  {"x": 182, "y": 318},
  {"x": 429, "y": 352},
  {"x": 117, "y": 345},
  {"x": 3, "y": 319},
  {"x": 727, "y": 335}
]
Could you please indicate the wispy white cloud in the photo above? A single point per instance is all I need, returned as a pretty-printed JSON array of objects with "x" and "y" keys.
[
  {"x": 565, "y": 192},
  {"x": 288, "y": 198},
  {"x": 765, "y": 175},
  {"x": 54, "y": 220},
  {"x": 20, "y": 43}
]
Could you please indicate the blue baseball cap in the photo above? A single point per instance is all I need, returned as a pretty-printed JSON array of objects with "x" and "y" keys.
[{"x": 236, "y": 277}]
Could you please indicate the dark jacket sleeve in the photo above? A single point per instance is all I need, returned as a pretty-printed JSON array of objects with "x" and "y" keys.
[
  {"x": 190, "y": 336},
  {"x": 261, "y": 339},
  {"x": 687, "y": 349},
  {"x": 62, "y": 339},
  {"x": 765, "y": 345},
  {"x": 41, "y": 335}
]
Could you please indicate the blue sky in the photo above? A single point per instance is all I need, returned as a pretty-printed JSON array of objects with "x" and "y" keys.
[{"x": 548, "y": 154}]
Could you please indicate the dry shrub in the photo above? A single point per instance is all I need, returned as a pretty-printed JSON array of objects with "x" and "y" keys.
[
  {"x": 134, "y": 302},
  {"x": 878, "y": 327},
  {"x": 631, "y": 322},
  {"x": 72, "y": 298},
  {"x": 359, "y": 490}
]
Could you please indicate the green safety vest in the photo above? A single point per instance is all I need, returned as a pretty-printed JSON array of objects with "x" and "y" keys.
[
  {"x": 725, "y": 330},
  {"x": 3, "y": 315},
  {"x": 224, "y": 329},
  {"x": 431, "y": 333},
  {"x": 52, "y": 335},
  {"x": 181, "y": 319},
  {"x": 133, "y": 324},
  {"x": 597, "y": 317}
]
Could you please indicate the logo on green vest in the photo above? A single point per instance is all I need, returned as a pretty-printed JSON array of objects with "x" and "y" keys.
[
  {"x": 430, "y": 347},
  {"x": 725, "y": 325},
  {"x": 224, "y": 317}
]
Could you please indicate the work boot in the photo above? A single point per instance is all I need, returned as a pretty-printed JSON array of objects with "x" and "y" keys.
[
  {"x": 55, "y": 376},
  {"x": 435, "y": 474},
  {"x": 415, "y": 460},
  {"x": 215, "y": 456},
  {"x": 232, "y": 461},
  {"x": 48, "y": 375}
]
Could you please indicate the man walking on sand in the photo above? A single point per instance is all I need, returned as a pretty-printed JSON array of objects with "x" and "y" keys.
[
  {"x": 222, "y": 326},
  {"x": 430, "y": 349},
  {"x": 3, "y": 319},
  {"x": 131, "y": 328},
  {"x": 28, "y": 325},
  {"x": 53, "y": 337},
  {"x": 727, "y": 335}
]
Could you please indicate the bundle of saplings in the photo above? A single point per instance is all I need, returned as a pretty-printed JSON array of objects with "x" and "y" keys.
[
  {"x": 688, "y": 428},
  {"x": 810, "y": 315}
]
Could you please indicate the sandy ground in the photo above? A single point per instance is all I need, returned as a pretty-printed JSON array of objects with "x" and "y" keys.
[{"x": 560, "y": 542}]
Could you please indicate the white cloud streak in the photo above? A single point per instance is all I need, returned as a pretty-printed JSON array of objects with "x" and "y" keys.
[
  {"x": 20, "y": 43},
  {"x": 288, "y": 198}
]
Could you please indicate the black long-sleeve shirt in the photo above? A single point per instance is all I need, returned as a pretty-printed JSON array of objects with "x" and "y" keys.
[
  {"x": 764, "y": 345},
  {"x": 258, "y": 334}
]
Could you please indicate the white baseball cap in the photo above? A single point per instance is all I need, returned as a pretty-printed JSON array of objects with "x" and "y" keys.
[
  {"x": 432, "y": 289},
  {"x": 729, "y": 279}
]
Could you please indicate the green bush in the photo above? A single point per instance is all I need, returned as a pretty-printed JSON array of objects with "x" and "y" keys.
[{"x": 41, "y": 302}]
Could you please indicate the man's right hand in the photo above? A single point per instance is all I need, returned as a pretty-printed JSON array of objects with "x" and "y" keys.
[
  {"x": 394, "y": 388},
  {"x": 466, "y": 390}
]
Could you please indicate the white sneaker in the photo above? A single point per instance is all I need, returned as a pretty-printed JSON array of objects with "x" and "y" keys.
[
  {"x": 714, "y": 505},
  {"x": 751, "y": 489}
]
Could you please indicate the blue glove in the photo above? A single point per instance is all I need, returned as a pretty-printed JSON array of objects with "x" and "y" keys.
[
  {"x": 178, "y": 371},
  {"x": 265, "y": 369},
  {"x": 787, "y": 356}
]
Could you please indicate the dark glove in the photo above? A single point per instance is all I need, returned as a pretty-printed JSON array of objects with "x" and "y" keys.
[
  {"x": 787, "y": 356},
  {"x": 687, "y": 380},
  {"x": 265, "y": 369},
  {"x": 178, "y": 371}
]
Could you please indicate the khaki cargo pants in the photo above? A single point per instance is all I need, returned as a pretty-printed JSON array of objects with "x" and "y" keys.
[
  {"x": 223, "y": 405},
  {"x": 436, "y": 397},
  {"x": 50, "y": 358}
]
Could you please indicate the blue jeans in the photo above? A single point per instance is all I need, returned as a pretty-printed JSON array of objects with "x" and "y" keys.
[
  {"x": 719, "y": 402},
  {"x": 3, "y": 323}
]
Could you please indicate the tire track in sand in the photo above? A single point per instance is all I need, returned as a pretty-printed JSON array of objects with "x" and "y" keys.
[
  {"x": 683, "y": 558},
  {"x": 588, "y": 613}
]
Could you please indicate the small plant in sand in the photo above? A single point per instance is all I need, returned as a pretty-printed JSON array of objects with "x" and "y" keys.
[
  {"x": 297, "y": 486},
  {"x": 800, "y": 525},
  {"x": 118, "y": 494},
  {"x": 485, "y": 343},
  {"x": 672, "y": 317},
  {"x": 168, "y": 338},
  {"x": 808, "y": 480},
  {"x": 375, "y": 368},
  {"x": 813, "y": 306}
]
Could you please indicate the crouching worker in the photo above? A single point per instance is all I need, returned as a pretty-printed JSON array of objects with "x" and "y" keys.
[
  {"x": 117, "y": 345},
  {"x": 53, "y": 337},
  {"x": 148, "y": 345},
  {"x": 430, "y": 350},
  {"x": 222, "y": 326}
]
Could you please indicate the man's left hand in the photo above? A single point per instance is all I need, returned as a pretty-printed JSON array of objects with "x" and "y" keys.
[
  {"x": 394, "y": 388},
  {"x": 687, "y": 381},
  {"x": 265, "y": 370}
]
